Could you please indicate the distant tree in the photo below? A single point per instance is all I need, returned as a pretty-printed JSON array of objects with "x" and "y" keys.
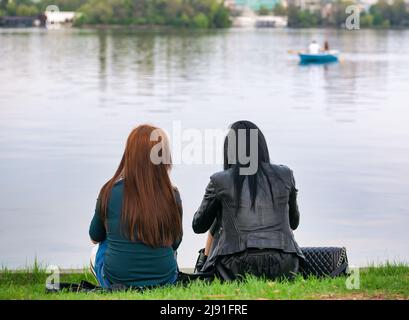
[
  {"x": 96, "y": 12},
  {"x": 3, "y": 4},
  {"x": 263, "y": 11},
  {"x": 280, "y": 10},
  {"x": 63, "y": 5},
  {"x": 27, "y": 10},
  {"x": 298, "y": 18},
  {"x": 377, "y": 14},
  {"x": 399, "y": 15},
  {"x": 182, "y": 13},
  {"x": 292, "y": 15},
  {"x": 221, "y": 18},
  {"x": 366, "y": 20},
  {"x": 339, "y": 15},
  {"x": 200, "y": 21},
  {"x": 184, "y": 20},
  {"x": 11, "y": 9}
]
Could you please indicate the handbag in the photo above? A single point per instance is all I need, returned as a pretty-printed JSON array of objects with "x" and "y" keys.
[
  {"x": 319, "y": 262},
  {"x": 324, "y": 262}
]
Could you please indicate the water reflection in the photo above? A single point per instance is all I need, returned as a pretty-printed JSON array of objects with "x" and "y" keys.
[{"x": 102, "y": 55}]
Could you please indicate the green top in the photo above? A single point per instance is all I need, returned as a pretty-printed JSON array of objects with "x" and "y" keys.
[{"x": 131, "y": 263}]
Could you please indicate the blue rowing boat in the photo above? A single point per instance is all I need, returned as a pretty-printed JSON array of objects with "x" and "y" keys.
[{"x": 322, "y": 57}]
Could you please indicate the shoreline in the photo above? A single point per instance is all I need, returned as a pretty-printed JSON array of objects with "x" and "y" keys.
[
  {"x": 170, "y": 27},
  {"x": 154, "y": 27}
]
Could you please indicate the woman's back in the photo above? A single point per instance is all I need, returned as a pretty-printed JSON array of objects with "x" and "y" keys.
[
  {"x": 271, "y": 209},
  {"x": 126, "y": 262},
  {"x": 267, "y": 225}
]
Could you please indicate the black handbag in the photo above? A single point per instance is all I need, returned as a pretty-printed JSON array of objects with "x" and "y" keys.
[{"x": 324, "y": 262}]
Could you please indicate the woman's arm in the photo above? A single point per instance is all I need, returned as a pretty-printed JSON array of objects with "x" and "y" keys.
[
  {"x": 209, "y": 243},
  {"x": 176, "y": 244},
  {"x": 294, "y": 212},
  {"x": 207, "y": 212},
  {"x": 97, "y": 230}
]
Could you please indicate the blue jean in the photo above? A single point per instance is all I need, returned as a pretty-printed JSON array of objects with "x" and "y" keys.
[{"x": 99, "y": 267}]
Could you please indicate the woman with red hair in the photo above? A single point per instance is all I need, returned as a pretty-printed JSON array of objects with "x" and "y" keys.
[{"x": 138, "y": 218}]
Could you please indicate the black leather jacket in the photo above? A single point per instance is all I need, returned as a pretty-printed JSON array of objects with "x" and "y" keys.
[{"x": 269, "y": 225}]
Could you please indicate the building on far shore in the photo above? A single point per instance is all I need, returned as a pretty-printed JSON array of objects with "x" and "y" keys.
[
  {"x": 22, "y": 22},
  {"x": 249, "y": 19},
  {"x": 326, "y": 6},
  {"x": 271, "y": 22},
  {"x": 52, "y": 18},
  {"x": 17, "y": 22},
  {"x": 310, "y": 5},
  {"x": 254, "y": 5},
  {"x": 58, "y": 19},
  {"x": 366, "y": 4},
  {"x": 245, "y": 13}
]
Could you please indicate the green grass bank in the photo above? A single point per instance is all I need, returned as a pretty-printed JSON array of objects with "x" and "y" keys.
[{"x": 387, "y": 281}]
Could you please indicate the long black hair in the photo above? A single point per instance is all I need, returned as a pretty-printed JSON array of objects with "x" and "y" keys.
[{"x": 234, "y": 143}]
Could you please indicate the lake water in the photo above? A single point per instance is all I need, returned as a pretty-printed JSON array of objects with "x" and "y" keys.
[{"x": 69, "y": 98}]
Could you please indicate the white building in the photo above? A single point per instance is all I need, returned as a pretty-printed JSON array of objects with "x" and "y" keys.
[
  {"x": 248, "y": 19},
  {"x": 311, "y": 5},
  {"x": 58, "y": 19},
  {"x": 271, "y": 22}
]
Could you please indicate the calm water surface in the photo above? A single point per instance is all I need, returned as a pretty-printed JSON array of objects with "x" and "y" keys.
[{"x": 68, "y": 100}]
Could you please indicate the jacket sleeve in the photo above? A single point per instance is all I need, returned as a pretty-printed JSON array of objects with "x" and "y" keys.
[
  {"x": 294, "y": 212},
  {"x": 207, "y": 212}
]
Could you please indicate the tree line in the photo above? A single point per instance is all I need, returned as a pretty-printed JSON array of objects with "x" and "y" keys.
[
  {"x": 205, "y": 13},
  {"x": 383, "y": 14},
  {"x": 180, "y": 13},
  {"x": 380, "y": 15}
]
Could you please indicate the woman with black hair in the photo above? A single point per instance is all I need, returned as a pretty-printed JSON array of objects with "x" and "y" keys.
[{"x": 250, "y": 209}]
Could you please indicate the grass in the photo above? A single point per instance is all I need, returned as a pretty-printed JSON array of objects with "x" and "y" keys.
[{"x": 387, "y": 281}]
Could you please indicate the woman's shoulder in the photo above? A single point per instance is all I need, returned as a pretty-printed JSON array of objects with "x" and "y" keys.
[
  {"x": 221, "y": 175},
  {"x": 226, "y": 176},
  {"x": 279, "y": 167},
  {"x": 280, "y": 170},
  {"x": 175, "y": 190},
  {"x": 119, "y": 182}
]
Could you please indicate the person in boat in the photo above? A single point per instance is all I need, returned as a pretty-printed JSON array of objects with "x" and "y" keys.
[
  {"x": 326, "y": 46},
  {"x": 250, "y": 209},
  {"x": 138, "y": 217},
  {"x": 314, "y": 47}
]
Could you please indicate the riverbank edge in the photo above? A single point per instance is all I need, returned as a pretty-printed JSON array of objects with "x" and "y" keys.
[
  {"x": 149, "y": 27},
  {"x": 170, "y": 27}
]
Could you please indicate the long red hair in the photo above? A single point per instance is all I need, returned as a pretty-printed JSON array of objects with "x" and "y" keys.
[{"x": 150, "y": 213}]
